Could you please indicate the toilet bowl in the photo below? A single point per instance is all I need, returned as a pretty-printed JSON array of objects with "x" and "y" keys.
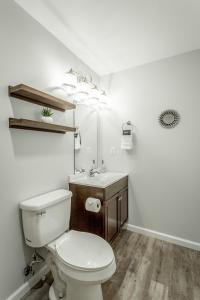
[
  {"x": 84, "y": 261},
  {"x": 80, "y": 262}
]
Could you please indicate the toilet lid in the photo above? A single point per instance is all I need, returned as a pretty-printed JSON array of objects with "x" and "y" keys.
[{"x": 83, "y": 250}]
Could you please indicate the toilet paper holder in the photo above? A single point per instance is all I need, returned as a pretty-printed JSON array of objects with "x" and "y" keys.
[{"x": 93, "y": 204}]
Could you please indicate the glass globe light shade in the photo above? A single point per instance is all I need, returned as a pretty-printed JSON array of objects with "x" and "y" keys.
[
  {"x": 70, "y": 82},
  {"x": 83, "y": 87},
  {"x": 94, "y": 94},
  {"x": 103, "y": 98},
  {"x": 69, "y": 89},
  {"x": 80, "y": 97}
]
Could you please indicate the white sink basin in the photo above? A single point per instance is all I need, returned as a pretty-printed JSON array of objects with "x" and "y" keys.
[{"x": 100, "y": 180}]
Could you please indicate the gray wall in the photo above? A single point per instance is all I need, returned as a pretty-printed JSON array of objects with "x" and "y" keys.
[
  {"x": 30, "y": 162},
  {"x": 164, "y": 165}
]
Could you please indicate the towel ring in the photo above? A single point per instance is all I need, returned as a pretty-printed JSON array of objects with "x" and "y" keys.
[{"x": 127, "y": 123}]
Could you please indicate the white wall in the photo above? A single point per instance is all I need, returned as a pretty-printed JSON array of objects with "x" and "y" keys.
[
  {"x": 164, "y": 166},
  {"x": 30, "y": 162}
]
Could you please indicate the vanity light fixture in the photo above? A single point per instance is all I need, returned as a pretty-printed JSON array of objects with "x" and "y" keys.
[
  {"x": 84, "y": 91},
  {"x": 70, "y": 82}
]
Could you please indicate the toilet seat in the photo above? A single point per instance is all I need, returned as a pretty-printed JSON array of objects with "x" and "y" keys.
[{"x": 84, "y": 251}]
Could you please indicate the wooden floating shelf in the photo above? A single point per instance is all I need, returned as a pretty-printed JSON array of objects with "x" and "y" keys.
[
  {"x": 29, "y": 94},
  {"x": 38, "y": 126}
]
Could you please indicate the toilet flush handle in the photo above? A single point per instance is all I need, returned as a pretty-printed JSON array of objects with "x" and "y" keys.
[{"x": 41, "y": 213}]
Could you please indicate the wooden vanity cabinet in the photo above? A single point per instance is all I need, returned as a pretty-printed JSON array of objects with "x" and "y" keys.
[{"x": 114, "y": 209}]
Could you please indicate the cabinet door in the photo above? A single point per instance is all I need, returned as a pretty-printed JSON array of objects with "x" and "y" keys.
[
  {"x": 123, "y": 207},
  {"x": 111, "y": 217},
  {"x": 81, "y": 219}
]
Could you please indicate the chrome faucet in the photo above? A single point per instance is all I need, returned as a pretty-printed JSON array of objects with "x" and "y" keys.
[{"x": 93, "y": 171}]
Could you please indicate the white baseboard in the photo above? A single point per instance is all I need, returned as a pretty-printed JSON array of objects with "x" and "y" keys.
[
  {"x": 25, "y": 288},
  {"x": 165, "y": 237}
]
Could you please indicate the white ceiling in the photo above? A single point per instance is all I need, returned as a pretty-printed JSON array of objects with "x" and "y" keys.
[{"x": 112, "y": 35}]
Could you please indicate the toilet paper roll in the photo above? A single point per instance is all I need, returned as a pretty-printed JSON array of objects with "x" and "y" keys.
[{"x": 93, "y": 204}]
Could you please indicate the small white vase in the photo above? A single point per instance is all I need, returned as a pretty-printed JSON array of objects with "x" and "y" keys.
[{"x": 47, "y": 119}]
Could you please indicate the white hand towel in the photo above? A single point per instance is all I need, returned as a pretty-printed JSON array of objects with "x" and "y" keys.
[
  {"x": 77, "y": 138},
  {"x": 126, "y": 142}
]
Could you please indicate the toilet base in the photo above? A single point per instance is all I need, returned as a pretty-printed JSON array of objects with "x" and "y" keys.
[
  {"x": 52, "y": 294},
  {"x": 77, "y": 291}
]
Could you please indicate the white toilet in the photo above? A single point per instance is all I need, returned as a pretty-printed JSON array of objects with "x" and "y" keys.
[{"x": 79, "y": 261}]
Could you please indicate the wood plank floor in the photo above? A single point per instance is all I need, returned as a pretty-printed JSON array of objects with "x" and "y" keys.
[{"x": 148, "y": 269}]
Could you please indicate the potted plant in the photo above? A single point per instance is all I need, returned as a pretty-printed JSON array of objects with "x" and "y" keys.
[{"x": 47, "y": 115}]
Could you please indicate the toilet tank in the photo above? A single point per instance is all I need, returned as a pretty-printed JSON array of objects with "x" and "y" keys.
[{"x": 46, "y": 217}]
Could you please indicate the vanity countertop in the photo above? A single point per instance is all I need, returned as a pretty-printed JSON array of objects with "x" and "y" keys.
[{"x": 102, "y": 180}]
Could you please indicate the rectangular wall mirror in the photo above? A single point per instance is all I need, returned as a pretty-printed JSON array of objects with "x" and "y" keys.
[{"x": 86, "y": 138}]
